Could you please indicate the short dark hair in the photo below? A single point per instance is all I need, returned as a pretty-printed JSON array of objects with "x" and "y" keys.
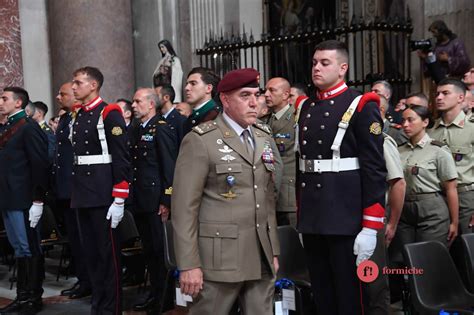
[
  {"x": 458, "y": 84},
  {"x": 207, "y": 76},
  {"x": 336, "y": 45},
  {"x": 303, "y": 88},
  {"x": 128, "y": 104},
  {"x": 167, "y": 89},
  {"x": 419, "y": 95},
  {"x": 42, "y": 107},
  {"x": 18, "y": 93},
  {"x": 422, "y": 111},
  {"x": 93, "y": 73}
]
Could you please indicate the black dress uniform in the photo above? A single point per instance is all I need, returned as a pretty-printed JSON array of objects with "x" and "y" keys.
[
  {"x": 23, "y": 179},
  {"x": 51, "y": 139},
  {"x": 207, "y": 112},
  {"x": 62, "y": 178},
  {"x": 332, "y": 204},
  {"x": 154, "y": 154},
  {"x": 177, "y": 121},
  {"x": 94, "y": 186}
]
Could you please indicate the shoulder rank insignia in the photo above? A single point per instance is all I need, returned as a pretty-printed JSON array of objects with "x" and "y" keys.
[
  {"x": 375, "y": 128},
  {"x": 169, "y": 191},
  {"x": 438, "y": 143},
  {"x": 263, "y": 127},
  {"x": 205, "y": 127},
  {"x": 117, "y": 131}
]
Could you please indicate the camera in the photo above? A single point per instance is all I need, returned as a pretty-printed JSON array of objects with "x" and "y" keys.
[{"x": 424, "y": 45}]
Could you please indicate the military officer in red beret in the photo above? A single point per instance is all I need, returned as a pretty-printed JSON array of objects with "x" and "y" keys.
[
  {"x": 223, "y": 213},
  {"x": 341, "y": 181}
]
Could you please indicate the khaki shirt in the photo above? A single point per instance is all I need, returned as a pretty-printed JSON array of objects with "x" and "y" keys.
[
  {"x": 392, "y": 158},
  {"x": 459, "y": 136},
  {"x": 426, "y": 166}
]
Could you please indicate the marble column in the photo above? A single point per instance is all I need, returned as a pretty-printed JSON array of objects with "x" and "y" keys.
[
  {"x": 93, "y": 33},
  {"x": 11, "y": 68}
]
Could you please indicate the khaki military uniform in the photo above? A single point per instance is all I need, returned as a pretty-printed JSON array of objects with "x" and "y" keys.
[
  {"x": 425, "y": 214},
  {"x": 459, "y": 136},
  {"x": 223, "y": 216},
  {"x": 283, "y": 129}
]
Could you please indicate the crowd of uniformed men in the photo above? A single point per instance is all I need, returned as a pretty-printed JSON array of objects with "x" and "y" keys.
[{"x": 227, "y": 173}]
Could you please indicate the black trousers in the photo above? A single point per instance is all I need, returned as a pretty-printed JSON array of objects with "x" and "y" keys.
[
  {"x": 102, "y": 252},
  {"x": 78, "y": 253},
  {"x": 333, "y": 272},
  {"x": 150, "y": 228}
]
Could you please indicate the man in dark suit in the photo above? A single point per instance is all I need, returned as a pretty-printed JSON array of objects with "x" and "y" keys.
[
  {"x": 23, "y": 183},
  {"x": 153, "y": 154},
  {"x": 62, "y": 177},
  {"x": 168, "y": 110},
  {"x": 200, "y": 89}
]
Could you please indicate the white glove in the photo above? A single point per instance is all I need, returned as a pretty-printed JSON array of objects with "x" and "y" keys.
[
  {"x": 116, "y": 212},
  {"x": 36, "y": 210},
  {"x": 364, "y": 244}
]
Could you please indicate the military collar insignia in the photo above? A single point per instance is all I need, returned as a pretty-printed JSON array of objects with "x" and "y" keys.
[
  {"x": 17, "y": 116},
  {"x": 92, "y": 104},
  {"x": 204, "y": 109},
  {"x": 332, "y": 92}
]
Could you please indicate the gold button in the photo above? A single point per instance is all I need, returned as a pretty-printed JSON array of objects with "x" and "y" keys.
[
  {"x": 320, "y": 141},
  {"x": 331, "y": 102},
  {"x": 326, "y": 114},
  {"x": 305, "y": 128},
  {"x": 318, "y": 185},
  {"x": 258, "y": 225},
  {"x": 320, "y": 156},
  {"x": 304, "y": 142},
  {"x": 308, "y": 116},
  {"x": 258, "y": 206},
  {"x": 303, "y": 185},
  {"x": 322, "y": 127},
  {"x": 217, "y": 233}
]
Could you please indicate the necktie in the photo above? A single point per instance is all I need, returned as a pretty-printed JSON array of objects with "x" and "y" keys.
[{"x": 248, "y": 146}]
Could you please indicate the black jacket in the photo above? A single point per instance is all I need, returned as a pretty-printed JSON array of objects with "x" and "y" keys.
[
  {"x": 23, "y": 164},
  {"x": 154, "y": 153}
]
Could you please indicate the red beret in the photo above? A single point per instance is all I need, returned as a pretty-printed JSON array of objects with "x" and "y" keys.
[{"x": 236, "y": 79}]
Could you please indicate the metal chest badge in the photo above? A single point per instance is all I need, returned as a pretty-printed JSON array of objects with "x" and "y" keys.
[{"x": 230, "y": 179}]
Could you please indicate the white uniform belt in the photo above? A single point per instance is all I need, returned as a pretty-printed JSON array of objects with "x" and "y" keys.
[
  {"x": 92, "y": 159},
  {"x": 320, "y": 166}
]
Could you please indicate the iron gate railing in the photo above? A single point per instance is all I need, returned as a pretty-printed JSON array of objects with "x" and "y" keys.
[{"x": 379, "y": 49}]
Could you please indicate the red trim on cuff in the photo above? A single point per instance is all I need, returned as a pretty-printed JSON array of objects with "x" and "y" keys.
[
  {"x": 120, "y": 190},
  {"x": 372, "y": 224},
  {"x": 375, "y": 210}
]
